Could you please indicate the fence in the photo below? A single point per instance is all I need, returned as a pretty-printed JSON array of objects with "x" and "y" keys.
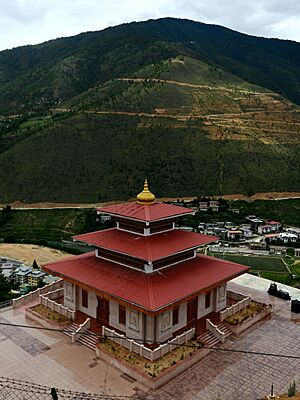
[
  {"x": 26, "y": 298},
  {"x": 82, "y": 328},
  {"x": 240, "y": 305},
  {"x": 215, "y": 331},
  {"x": 55, "y": 294},
  {"x": 12, "y": 389},
  {"x": 144, "y": 351},
  {"x": 238, "y": 250},
  {"x": 59, "y": 308},
  {"x": 6, "y": 304}
]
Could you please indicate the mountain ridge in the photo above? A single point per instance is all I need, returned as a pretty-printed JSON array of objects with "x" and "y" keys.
[{"x": 91, "y": 125}]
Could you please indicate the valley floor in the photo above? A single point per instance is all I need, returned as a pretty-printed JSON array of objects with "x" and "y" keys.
[{"x": 29, "y": 252}]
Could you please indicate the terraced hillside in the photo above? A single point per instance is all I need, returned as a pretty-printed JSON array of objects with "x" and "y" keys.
[{"x": 192, "y": 126}]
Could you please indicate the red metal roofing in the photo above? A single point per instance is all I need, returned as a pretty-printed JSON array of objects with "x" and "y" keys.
[
  {"x": 144, "y": 212},
  {"x": 147, "y": 291},
  {"x": 146, "y": 247}
]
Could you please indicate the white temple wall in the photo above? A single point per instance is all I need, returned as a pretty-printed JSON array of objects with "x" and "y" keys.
[
  {"x": 91, "y": 309},
  {"x": 220, "y": 297},
  {"x": 134, "y": 324},
  {"x": 164, "y": 324},
  {"x": 202, "y": 311},
  {"x": 114, "y": 316},
  {"x": 69, "y": 295},
  {"x": 150, "y": 326}
]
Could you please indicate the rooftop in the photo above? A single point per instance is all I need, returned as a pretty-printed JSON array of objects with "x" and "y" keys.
[
  {"x": 151, "y": 292},
  {"x": 145, "y": 208},
  {"x": 149, "y": 248},
  {"x": 145, "y": 212}
]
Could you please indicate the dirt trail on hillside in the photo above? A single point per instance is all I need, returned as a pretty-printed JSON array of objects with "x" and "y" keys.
[
  {"x": 193, "y": 85},
  {"x": 51, "y": 205}
]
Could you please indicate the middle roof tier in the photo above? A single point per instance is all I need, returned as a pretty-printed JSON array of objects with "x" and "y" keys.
[{"x": 148, "y": 248}]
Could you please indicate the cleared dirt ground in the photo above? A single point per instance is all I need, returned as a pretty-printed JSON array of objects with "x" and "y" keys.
[
  {"x": 29, "y": 252},
  {"x": 48, "y": 205}
]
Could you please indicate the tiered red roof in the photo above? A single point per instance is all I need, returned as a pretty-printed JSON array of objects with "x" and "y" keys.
[
  {"x": 145, "y": 212},
  {"x": 149, "y": 248},
  {"x": 151, "y": 292}
]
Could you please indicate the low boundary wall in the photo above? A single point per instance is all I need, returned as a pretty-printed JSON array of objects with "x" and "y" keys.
[
  {"x": 27, "y": 298},
  {"x": 144, "y": 351}
]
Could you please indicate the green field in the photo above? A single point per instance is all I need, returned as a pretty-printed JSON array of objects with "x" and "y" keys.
[
  {"x": 272, "y": 268},
  {"x": 272, "y": 264}
]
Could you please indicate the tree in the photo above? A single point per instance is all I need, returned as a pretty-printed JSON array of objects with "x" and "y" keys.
[
  {"x": 5, "y": 288},
  {"x": 35, "y": 264}
]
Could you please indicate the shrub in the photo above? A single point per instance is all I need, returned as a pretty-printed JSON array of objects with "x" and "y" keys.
[{"x": 291, "y": 389}]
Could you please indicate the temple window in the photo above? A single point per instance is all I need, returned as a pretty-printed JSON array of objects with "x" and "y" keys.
[
  {"x": 84, "y": 298},
  {"x": 175, "y": 315},
  {"x": 122, "y": 315},
  {"x": 207, "y": 300}
]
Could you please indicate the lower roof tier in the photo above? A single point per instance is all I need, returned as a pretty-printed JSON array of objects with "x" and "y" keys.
[
  {"x": 149, "y": 248},
  {"x": 149, "y": 292}
]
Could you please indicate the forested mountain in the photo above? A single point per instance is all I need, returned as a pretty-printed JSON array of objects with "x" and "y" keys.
[{"x": 198, "y": 109}]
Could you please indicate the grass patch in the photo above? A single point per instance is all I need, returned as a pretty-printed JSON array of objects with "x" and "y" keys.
[
  {"x": 257, "y": 263},
  {"x": 152, "y": 369},
  {"x": 49, "y": 314},
  {"x": 286, "y": 279}
]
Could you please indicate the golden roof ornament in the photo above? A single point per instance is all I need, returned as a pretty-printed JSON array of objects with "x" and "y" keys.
[{"x": 145, "y": 197}]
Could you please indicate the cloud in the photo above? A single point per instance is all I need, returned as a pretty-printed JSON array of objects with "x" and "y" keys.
[{"x": 32, "y": 21}]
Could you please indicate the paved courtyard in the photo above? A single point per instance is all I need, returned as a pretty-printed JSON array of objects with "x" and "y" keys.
[{"x": 49, "y": 358}]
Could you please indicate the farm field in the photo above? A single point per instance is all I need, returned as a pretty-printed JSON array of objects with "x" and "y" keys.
[
  {"x": 259, "y": 263},
  {"x": 272, "y": 268}
]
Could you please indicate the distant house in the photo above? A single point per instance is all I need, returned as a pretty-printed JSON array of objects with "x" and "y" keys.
[
  {"x": 20, "y": 275},
  {"x": 35, "y": 277},
  {"x": 258, "y": 246},
  {"x": 234, "y": 210},
  {"x": 234, "y": 235},
  {"x": 278, "y": 250},
  {"x": 104, "y": 218},
  {"x": 294, "y": 230},
  {"x": 297, "y": 252},
  {"x": 203, "y": 206},
  {"x": 275, "y": 225},
  {"x": 262, "y": 229},
  {"x": 214, "y": 205},
  {"x": 247, "y": 232},
  {"x": 287, "y": 237},
  {"x": 254, "y": 221}
]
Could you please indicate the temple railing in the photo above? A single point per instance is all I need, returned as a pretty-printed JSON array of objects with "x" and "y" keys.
[
  {"x": 81, "y": 329},
  {"x": 55, "y": 294},
  {"x": 215, "y": 331},
  {"x": 144, "y": 351},
  {"x": 240, "y": 305},
  {"x": 59, "y": 308}
]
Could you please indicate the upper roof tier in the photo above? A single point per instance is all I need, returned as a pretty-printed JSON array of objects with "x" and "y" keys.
[
  {"x": 144, "y": 212},
  {"x": 149, "y": 248},
  {"x": 145, "y": 208}
]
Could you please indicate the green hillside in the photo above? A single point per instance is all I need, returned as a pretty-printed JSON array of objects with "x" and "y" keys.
[
  {"x": 41, "y": 76},
  {"x": 188, "y": 105}
]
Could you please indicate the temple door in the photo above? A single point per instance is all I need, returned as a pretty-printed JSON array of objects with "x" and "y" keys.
[
  {"x": 192, "y": 312},
  {"x": 103, "y": 311}
]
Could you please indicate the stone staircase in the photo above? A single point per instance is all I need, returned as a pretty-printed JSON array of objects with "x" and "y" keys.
[
  {"x": 88, "y": 338},
  {"x": 210, "y": 340}
]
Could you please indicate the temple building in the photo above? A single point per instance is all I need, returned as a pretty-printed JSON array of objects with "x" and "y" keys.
[{"x": 144, "y": 277}]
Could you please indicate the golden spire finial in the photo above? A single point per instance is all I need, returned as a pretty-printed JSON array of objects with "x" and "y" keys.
[{"x": 145, "y": 197}]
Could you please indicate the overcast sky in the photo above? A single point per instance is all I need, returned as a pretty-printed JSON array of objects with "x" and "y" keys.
[{"x": 35, "y": 21}]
